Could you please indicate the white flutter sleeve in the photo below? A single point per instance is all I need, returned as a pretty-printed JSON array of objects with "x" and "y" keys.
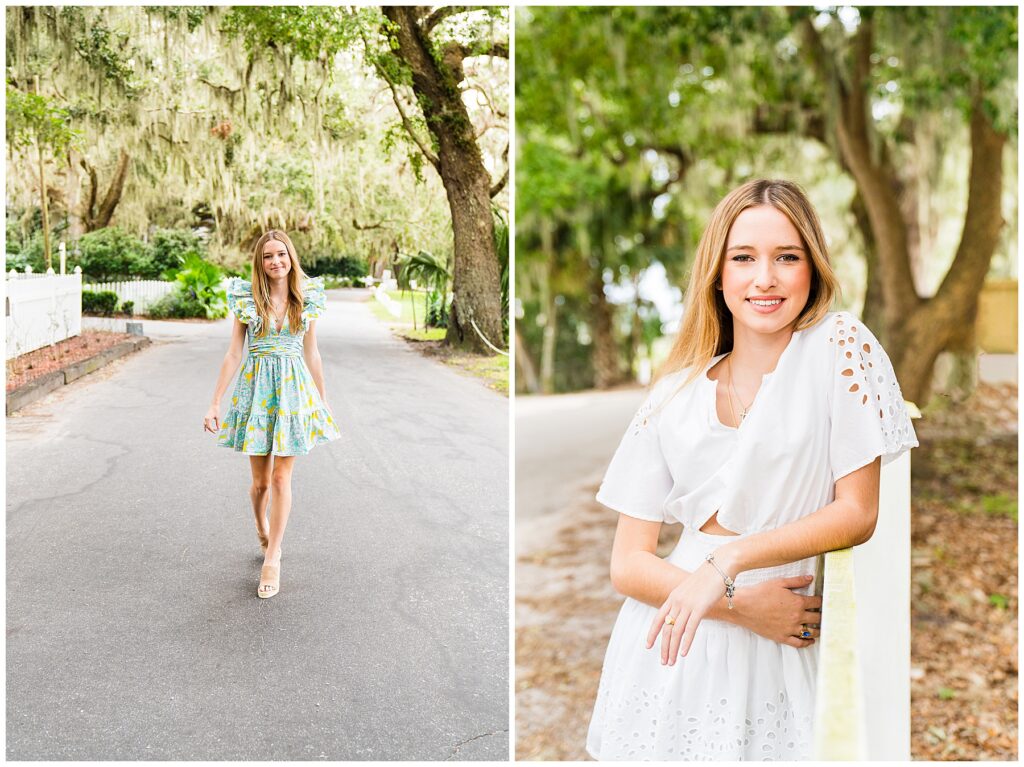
[
  {"x": 869, "y": 417},
  {"x": 638, "y": 480}
]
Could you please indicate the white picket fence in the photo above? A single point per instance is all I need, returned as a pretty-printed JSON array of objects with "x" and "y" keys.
[
  {"x": 41, "y": 309},
  {"x": 142, "y": 293}
]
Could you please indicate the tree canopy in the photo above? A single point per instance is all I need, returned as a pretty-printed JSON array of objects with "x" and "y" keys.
[
  {"x": 233, "y": 120},
  {"x": 633, "y": 122}
]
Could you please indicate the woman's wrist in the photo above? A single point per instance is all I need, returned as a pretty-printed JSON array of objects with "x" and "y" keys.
[{"x": 730, "y": 558}]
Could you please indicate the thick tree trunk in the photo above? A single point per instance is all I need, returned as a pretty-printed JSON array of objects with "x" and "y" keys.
[
  {"x": 914, "y": 330},
  {"x": 526, "y": 371},
  {"x": 98, "y": 218},
  {"x": 605, "y": 359},
  {"x": 73, "y": 194},
  {"x": 476, "y": 307}
]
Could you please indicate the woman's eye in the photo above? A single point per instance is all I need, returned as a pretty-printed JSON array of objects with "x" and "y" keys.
[
  {"x": 741, "y": 256},
  {"x": 790, "y": 257}
]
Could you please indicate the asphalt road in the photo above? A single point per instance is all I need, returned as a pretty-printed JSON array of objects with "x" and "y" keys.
[
  {"x": 566, "y": 441},
  {"x": 133, "y": 626}
]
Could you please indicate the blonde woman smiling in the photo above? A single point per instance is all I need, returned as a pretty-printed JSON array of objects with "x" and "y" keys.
[
  {"x": 763, "y": 435},
  {"x": 279, "y": 406}
]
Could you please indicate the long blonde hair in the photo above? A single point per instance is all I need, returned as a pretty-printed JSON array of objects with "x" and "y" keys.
[
  {"x": 261, "y": 287},
  {"x": 706, "y": 327}
]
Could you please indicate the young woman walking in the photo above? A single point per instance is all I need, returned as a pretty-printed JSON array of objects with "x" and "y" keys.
[
  {"x": 763, "y": 435},
  {"x": 279, "y": 407}
]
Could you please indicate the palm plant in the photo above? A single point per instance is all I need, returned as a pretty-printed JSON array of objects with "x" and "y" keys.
[{"x": 429, "y": 270}]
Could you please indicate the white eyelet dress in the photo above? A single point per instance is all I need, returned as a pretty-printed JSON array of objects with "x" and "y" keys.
[{"x": 831, "y": 406}]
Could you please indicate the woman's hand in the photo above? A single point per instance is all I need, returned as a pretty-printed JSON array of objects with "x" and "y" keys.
[
  {"x": 683, "y": 611},
  {"x": 211, "y": 420},
  {"x": 774, "y": 611}
]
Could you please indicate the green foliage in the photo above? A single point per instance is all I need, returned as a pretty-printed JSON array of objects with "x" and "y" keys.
[
  {"x": 501, "y": 235},
  {"x": 102, "y": 303},
  {"x": 168, "y": 249},
  {"x": 112, "y": 254},
  {"x": 199, "y": 281},
  {"x": 946, "y": 694},
  {"x": 32, "y": 118},
  {"x": 192, "y": 15},
  {"x": 180, "y": 305},
  {"x": 431, "y": 272},
  {"x": 351, "y": 267},
  {"x": 1000, "y": 505},
  {"x": 128, "y": 307},
  {"x": 999, "y": 601},
  {"x": 312, "y": 32},
  {"x": 633, "y": 121},
  {"x": 108, "y": 51},
  {"x": 437, "y": 310}
]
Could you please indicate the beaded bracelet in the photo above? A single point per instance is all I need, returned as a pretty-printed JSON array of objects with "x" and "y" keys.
[{"x": 730, "y": 584}]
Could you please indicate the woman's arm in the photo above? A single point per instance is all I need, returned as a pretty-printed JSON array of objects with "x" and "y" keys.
[
  {"x": 311, "y": 353},
  {"x": 847, "y": 521},
  {"x": 232, "y": 358},
  {"x": 770, "y": 609}
]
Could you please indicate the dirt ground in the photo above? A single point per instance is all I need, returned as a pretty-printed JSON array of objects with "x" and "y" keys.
[
  {"x": 26, "y": 367},
  {"x": 964, "y": 590}
]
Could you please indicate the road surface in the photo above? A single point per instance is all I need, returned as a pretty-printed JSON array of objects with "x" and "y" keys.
[{"x": 133, "y": 626}]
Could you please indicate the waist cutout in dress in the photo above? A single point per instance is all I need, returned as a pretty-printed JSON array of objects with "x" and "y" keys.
[{"x": 694, "y": 545}]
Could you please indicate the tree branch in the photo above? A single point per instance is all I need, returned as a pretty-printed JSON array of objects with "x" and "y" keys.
[
  {"x": 215, "y": 86},
  {"x": 441, "y": 14},
  {"x": 432, "y": 158},
  {"x": 498, "y": 185}
]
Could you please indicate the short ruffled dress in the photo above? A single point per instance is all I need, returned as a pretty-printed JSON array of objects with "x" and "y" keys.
[{"x": 276, "y": 408}]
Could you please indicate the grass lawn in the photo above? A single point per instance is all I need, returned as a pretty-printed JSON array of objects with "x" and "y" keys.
[
  {"x": 405, "y": 301},
  {"x": 492, "y": 370}
]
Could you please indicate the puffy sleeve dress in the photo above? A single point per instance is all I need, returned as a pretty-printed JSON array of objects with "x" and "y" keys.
[
  {"x": 276, "y": 408},
  {"x": 831, "y": 406}
]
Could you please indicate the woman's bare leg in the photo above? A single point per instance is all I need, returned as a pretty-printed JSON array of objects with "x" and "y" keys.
[
  {"x": 280, "y": 505},
  {"x": 260, "y": 490}
]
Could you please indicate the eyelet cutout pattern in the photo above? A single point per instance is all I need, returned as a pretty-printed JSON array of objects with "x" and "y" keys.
[
  {"x": 642, "y": 418},
  {"x": 863, "y": 369},
  {"x": 645, "y": 727}
]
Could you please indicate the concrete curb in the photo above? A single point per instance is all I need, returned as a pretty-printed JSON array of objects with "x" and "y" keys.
[{"x": 40, "y": 387}]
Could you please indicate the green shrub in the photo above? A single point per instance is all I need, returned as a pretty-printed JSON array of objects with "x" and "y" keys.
[
  {"x": 437, "y": 310},
  {"x": 128, "y": 307},
  {"x": 112, "y": 254},
  {"x": 340, "y": 266},
  {"x": 102, "y": 303},
  {"x": 177, "y": 305},
  {"x": 168, "y": 249},
  {"x": 200, "y": 281}
]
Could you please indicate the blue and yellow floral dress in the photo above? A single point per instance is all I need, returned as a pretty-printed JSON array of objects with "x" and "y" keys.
[{"x": 276, "y": 408}]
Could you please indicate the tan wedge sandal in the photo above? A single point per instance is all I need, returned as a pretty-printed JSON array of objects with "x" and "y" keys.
[{"x": 270, "y": 581}]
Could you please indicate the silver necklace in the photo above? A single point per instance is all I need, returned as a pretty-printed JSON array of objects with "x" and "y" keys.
[{"x": 746, "y": 408}]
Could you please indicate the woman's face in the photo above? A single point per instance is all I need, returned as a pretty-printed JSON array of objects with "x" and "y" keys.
[
  {"x": 276, "y": 261},
  {"x": 766, "y": 274}
]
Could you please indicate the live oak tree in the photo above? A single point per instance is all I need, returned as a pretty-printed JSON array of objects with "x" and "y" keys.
[
  {"x": 427, "y": 50},
  {"x": 729, "y": 93},
  {"x": 954, "y": 64},
  {"x": 183, "y": 126}
]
